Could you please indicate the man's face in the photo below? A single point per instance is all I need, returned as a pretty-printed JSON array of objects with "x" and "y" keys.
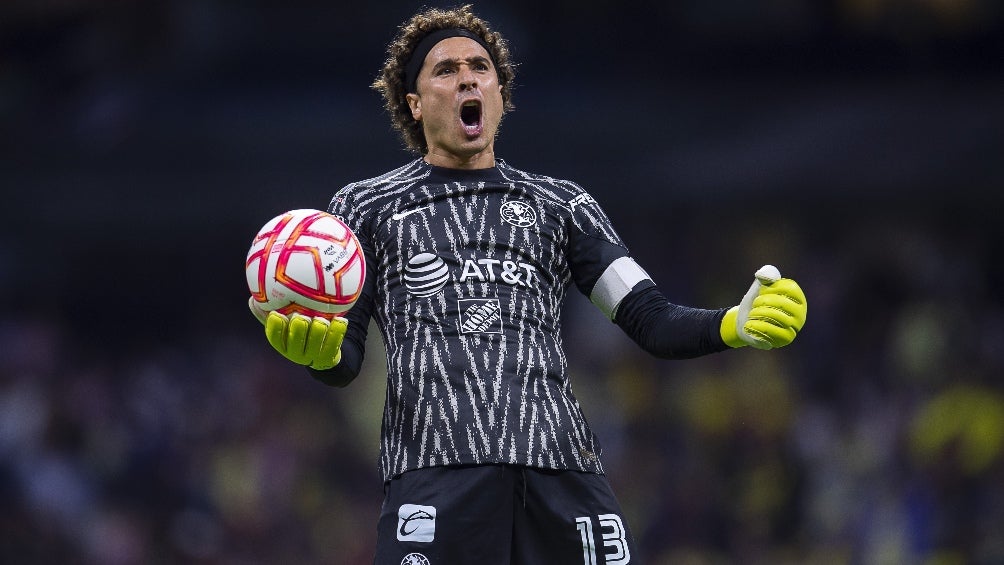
[{"x": 459, "y": 102}]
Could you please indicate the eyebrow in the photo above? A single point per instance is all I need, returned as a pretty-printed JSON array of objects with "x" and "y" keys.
[{"x": 452, "y": 62}]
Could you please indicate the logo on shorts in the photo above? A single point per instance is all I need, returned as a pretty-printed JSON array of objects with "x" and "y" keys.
[
  {"x": 416, "y": 523},
  {"x": 480, "y": 315},
  {"x": 415, "y": 559}
]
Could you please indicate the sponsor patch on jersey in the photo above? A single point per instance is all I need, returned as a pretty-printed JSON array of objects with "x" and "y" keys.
[
  {"x": 480, "y": 315},
  {"x": 495, "y": 270},
  {"x": 518, "y": 213},
  {"x": 425, "y": 274},
  {"x": 416, "y": 523}
]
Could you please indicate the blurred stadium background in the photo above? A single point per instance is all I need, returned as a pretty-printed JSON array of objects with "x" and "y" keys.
[{"x": 143, "y": 418}]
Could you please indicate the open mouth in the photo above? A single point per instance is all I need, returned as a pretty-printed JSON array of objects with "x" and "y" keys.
[{"x": 470, "y": 117}]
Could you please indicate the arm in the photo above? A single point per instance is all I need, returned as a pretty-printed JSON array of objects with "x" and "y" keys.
[
  {"x": 353, "y": 346},
  {"x": 667, "y": 330},
  {"x": 770, "y": 316},
  {"x": 332, "y": 351},
  {"x": 624, "y": 292},
  {"x": 348, "y": 366}
]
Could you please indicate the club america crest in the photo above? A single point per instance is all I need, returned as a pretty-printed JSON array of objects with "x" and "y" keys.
[{"x": 519, "y": 214}]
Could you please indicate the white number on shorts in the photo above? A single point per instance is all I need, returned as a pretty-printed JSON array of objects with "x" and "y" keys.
[{"x": 613, "y": 534}]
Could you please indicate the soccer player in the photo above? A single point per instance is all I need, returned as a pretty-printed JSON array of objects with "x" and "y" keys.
[{"x": 486, "y": 456}]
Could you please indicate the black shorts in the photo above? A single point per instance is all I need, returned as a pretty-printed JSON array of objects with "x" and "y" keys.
[{"x": 501, "y": 515}]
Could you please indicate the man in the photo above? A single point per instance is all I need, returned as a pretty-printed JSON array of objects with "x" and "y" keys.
[{"x": 486, "y": 455}]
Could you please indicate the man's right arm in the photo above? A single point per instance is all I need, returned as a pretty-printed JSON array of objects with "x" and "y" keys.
[
  {"x": 354, "y": 343},
  {"x": 353, "y": 346},
  {"x": 347, "y": 369}
]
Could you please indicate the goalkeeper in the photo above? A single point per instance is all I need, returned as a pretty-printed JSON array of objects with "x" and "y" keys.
[{"x": 485, "y": 453}]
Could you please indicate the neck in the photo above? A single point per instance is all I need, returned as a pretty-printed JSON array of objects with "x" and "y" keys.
[{"x": 481, "y": 160}]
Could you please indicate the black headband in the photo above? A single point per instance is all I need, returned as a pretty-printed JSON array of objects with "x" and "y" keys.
[{"x": 426, "y": 44}]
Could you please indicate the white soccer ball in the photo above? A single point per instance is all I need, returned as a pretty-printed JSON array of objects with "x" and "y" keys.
[{"x": 305, "y": 261}]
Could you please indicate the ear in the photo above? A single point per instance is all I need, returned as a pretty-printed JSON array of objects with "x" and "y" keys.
[{"x": 415, "y": 103}]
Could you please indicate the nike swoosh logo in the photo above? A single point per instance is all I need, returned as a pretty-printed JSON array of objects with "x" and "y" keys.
[{"x": 401, "y": 215}]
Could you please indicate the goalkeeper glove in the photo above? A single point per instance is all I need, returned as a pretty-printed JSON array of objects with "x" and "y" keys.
[
  {"x": 769, "y": 316},
  {"x": 314, "y": 342}
]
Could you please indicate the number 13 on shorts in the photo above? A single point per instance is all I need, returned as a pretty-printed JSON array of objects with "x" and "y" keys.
[{"x": 612, "y": 535}]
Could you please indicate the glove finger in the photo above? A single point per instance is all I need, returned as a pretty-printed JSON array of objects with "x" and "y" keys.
[
  {"x": 787, "y": 288},
  {"x": 781, "y": 307},
  {"x": 776, "y": 309},
  {"x": 296, "y": 339},
  {"x": 330, "y": 352},
  {"x": 275, "y": 330},
  {"x": 778, "y": 313},
  {"x": 770, "y": 334},
  {"x": 276, "y": 326},
  {"x": 317, "y": 331}
]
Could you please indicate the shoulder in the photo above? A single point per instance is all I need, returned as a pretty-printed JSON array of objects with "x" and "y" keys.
[
  {"x": 561, "y": 192},
  {"x": 413, "y": 170},
  {"x": 398, "y": 180}
]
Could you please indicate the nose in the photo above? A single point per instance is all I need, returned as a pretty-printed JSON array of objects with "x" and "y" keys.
[{"x": 468, "y": 80}]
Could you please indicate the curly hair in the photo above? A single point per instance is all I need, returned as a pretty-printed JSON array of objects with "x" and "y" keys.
[{"x": 390, "y": 83}]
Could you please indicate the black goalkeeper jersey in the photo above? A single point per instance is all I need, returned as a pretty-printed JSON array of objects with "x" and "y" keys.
[{"x": 466, "y": 274}]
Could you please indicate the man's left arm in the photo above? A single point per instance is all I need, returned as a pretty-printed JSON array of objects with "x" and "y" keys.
[{"x": 769, "y": 316}]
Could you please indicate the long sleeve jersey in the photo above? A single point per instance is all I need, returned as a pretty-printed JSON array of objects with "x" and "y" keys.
[{"x": 466, "y": 274}]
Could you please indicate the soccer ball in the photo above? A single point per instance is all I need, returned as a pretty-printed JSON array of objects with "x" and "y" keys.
[{"x": 307, "y": 262}]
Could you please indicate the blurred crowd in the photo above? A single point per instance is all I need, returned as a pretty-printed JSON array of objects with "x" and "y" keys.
[{"x": 876, "y": 438}]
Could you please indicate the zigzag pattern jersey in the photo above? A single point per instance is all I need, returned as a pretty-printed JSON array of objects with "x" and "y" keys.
[{"x": 466, "y": 273}]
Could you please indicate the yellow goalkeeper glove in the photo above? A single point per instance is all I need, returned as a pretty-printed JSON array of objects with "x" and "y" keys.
[
  {"x": 314, "y": 342},
  {"x": 769, "y": 316}
]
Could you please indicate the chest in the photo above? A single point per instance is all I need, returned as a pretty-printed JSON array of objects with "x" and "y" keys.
[
  {"x": 502, "y": 222},
  {"x": 481, "y": 235}
]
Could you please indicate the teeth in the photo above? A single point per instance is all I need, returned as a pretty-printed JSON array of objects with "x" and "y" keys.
[{"x": 470, "y": 104}]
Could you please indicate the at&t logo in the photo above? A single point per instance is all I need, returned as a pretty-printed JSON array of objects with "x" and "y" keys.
[
  {"x": 494, "y": 270},
  {"x": 425, "y": 274}
]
